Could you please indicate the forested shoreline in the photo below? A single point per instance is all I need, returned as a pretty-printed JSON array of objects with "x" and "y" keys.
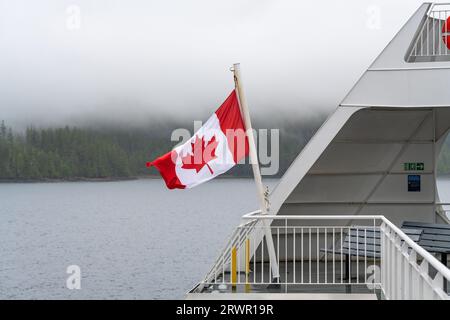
[
  {"x": 73, "y": 154},
  {"x": 107, "y": 153}
]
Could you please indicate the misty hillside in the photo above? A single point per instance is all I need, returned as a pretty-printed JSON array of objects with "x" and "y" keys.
[
  {"x": 71, "y": 153},
  {"x": 112, "y": 152}
]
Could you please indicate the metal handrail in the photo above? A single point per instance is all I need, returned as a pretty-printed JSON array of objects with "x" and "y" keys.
[
  {"x": 419, "y": 250},
  {"x": 395, "y": 246},
  {"x": 313, "y": 217},
  {"x": 428, "y": 42},
  {"x": 221, "y": 258}
]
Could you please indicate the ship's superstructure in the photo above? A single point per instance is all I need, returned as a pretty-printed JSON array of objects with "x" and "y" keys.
[{"x": 368, "y": 169}]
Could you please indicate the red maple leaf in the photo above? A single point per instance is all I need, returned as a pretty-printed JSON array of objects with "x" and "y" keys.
[{"x": 202, "y": 153}]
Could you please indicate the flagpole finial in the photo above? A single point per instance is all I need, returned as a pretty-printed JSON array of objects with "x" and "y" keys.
[{"x": 234, "y": 66}]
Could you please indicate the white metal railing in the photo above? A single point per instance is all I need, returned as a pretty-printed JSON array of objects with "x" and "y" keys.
[
  {"x": 406, "y": 268},
  {"x": 322, "y": 250},
  {"x": 236, "y": 239},
  {"x": 431, "y": 42}
]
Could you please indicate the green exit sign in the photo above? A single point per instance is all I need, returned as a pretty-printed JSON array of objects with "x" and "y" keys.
[{"x": 414, "y": 166}]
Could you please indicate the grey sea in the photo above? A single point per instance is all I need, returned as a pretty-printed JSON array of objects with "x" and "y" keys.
[{"x": 130, "y": 239}]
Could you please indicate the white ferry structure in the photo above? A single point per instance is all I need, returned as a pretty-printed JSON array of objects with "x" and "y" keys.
[{"x": 351, "y": 217}]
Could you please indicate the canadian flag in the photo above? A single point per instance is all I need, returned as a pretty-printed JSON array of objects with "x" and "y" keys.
[{"x": 214, "y": 149}]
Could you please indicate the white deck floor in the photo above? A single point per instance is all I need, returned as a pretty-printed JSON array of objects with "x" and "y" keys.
[
  {"x": 280, "y": 296},
  {"x": 323, "y": 291}
]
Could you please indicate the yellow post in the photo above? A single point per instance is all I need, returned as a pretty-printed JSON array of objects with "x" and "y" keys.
[
  {"x": 247, "y": 264},
  {"x": 233, "y": 266},
  {"x": 247, "y": 259}
]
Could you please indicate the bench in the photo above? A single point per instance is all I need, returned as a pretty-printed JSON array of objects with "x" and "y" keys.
[
  {"x": 364, "y": 242},
  {"x": 435, "y": 238},
  {"x": 360, "y": 242}
]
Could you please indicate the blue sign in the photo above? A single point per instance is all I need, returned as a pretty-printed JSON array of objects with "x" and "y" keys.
[{"x": 413, "y": 183}]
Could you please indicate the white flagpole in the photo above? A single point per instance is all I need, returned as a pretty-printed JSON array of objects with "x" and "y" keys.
[{"x": 255, "y": 166}]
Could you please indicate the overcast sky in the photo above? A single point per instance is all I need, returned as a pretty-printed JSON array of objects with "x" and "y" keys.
[{"x": 131, "y": 59}]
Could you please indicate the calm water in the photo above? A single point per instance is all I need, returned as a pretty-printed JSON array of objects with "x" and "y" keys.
[{"x": 132, "y": 240}]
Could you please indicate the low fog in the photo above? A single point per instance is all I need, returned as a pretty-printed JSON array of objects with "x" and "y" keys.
[{"x": 130, "y": 62}]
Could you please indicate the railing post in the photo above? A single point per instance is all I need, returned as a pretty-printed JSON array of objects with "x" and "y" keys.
[
  {"x": 387, "y": 249},
  {"x": 285, "y": 252},
  {"x": 438, "y": 285},
  {"x": 423, "y": 269},
  {"x": 399, "y": 269},
  {"x": 247, "y": 259},
  {"x": 405, "y": 271},
  {"x": 233, "y": 266},
  {"x": 293, "y": 256},
  {"x": 414, "y": 275},
  {"x": 383, "y": 258}
]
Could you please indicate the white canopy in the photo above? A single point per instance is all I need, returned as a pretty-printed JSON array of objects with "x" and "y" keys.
[{"x": 377, "y": 153}]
